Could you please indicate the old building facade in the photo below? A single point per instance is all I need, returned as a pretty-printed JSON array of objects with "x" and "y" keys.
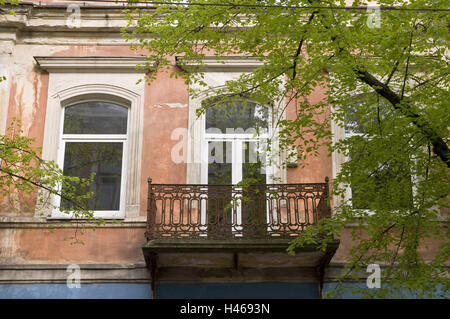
[{"x": 59, "y": 72}]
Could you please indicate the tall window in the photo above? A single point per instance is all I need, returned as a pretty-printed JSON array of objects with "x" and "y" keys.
[
  {"x": 235, "y": 135},
  {"x": 383, "y": 181},
  {"x": 94, "y": 140}
]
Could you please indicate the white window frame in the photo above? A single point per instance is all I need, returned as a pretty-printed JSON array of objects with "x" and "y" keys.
[
  {"x": 348, "y": 190},
  {"x": 104, "y": 138},
  {"x": 237, "y": 140},
  {"x": 114, "y": 78},
  {"x": 216, "y": 72}
]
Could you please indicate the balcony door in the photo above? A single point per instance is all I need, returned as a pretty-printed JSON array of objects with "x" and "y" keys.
[
  {"x": 234, "y": 142},
  {"x": 231, "y": 160}
]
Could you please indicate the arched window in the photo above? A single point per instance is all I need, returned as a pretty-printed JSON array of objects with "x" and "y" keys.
[
  {"x": 234, "y": 116},
  {"x": 94, "y": 140}
]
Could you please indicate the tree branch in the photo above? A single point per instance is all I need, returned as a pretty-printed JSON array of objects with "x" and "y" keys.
[
  {"x": 299, "y": 48},
  {"x": 39, "y": 185},
  {"x": 440, "y": 147},
  {"x": 407, "y": 66}
]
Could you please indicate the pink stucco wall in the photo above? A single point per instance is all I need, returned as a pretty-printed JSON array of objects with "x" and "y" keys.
[{"x": 27, "y": 102}]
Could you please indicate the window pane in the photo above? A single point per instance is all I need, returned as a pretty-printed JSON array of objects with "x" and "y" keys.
[
  {"x": 238, "y": 116},
  {"x": 387, "y": 187},
  {"x": 219, "y": 163},
  {"x": 363, "y": 112},
  {"x": 81, "y": 159},
  {"x": 382, "y": 189},
  {"x": 352, "y": 122},
  {"x": 219, "y": 173},
  {"x": 95, "y": 118},
  {"x": 253, "y": 164}
]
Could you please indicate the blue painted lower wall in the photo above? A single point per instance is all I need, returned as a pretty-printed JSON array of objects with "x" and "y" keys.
[
  {"x": 182, "y": 291},
  {"x": 347, "y": 293},
  {"x": 86, "y": 291},
  {"x": 238, "y": 290},
  {"x": 175, "y": 290}
]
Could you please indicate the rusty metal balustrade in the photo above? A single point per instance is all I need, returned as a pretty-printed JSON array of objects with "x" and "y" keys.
[{"x": 233, "y": 212}]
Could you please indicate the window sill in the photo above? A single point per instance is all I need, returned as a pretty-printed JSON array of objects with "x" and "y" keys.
[
  {"x": 47, "y": 222},
  {"x": 97, "y": 214}
]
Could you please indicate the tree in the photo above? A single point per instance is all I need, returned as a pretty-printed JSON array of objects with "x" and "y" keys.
[
  {"x": 28, "y": 182},
  {"x": 388, "y": 79},
  {"x": 10, "y": 2}
]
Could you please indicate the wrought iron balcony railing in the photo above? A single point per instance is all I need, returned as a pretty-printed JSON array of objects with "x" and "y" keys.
[{"x": 234, "y": 212}]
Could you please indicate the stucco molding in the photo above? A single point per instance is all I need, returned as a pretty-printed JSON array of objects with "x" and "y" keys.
[
  {"x": 57, "y": 273},
  {"x": 52, "y": 16},
  {"x": 37, "y": 222},
  {"x": 98, "y": 84},
  {"x": 138, "y": 272},
  {"x": 75, "y": 64}
]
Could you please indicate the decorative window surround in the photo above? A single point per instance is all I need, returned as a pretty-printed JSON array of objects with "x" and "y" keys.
[
  {"x": 216, "y": 72},
  {"x": 98, "y": 78},
  {"x": 338, "y": 159}
]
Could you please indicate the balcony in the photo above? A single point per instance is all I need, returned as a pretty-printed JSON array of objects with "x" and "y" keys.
[
  {"x": 222, "y": 230},
  {"x": 229, "y": 212}
]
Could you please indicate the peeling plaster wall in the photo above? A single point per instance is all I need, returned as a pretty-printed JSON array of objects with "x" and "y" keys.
[
  {"x": 8, "y": 246},
  {"x": 5, "y": 87},
  {"x": 29, "y": 87},
  {"x": 42, "y": 32},
  {"x": 24, "y": 95},
  {"x": 160, "y": 120},
  {"x": 317, "y": 167},
  {"x": 42, "y": 246}
]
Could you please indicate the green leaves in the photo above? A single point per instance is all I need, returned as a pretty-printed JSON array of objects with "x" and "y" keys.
[
  {"x": 322, "y": 63},
  {"x": 28, "y": 183},
  {"x": 11, "y": 12}
]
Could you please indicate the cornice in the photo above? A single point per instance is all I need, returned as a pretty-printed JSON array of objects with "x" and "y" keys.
[{"x": 94, "y": 63}]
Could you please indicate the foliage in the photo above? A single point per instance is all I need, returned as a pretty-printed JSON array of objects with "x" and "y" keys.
[
  {"x": 391, "y": 82},
  {"x": 27, "y": 181},
  {"x": 9, "y": 2}
]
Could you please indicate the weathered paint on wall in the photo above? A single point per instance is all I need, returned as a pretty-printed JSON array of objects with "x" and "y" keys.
[
  {"x": 40, "y": 245},
  {"x": 427, "y": 248},
  {"x": 238, "y": 291},
  {"x": 29, "y": 88},
  {"x": 347, "y": 293},
  {"x": 165, "y": 108},
  {"x": 164, "y": 291},
  {"x": 317, "y": 167},
  {"x": 160, "y": 120},
  {"x": 86, "y": 291}
]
